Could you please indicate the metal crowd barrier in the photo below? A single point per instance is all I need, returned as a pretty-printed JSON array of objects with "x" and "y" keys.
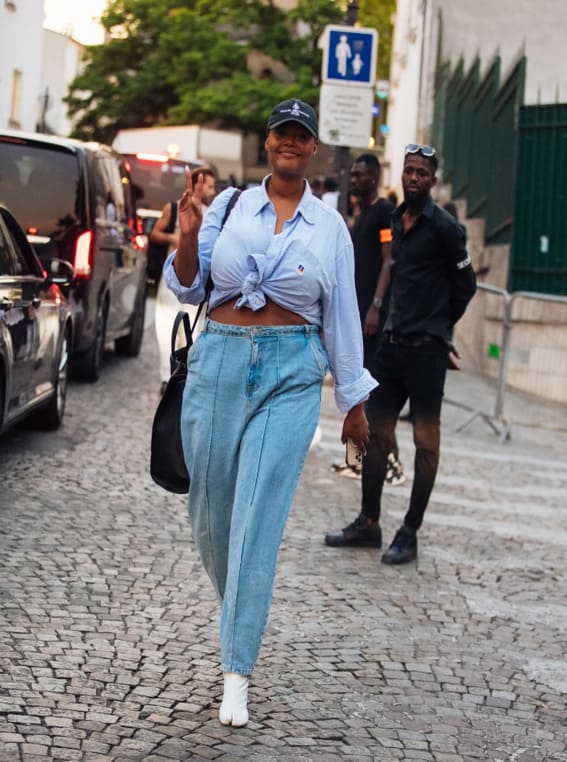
[{"x": 496, "y": 419}]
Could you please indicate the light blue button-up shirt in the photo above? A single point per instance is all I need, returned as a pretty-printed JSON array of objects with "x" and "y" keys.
[{"x": 308, "y": 268}]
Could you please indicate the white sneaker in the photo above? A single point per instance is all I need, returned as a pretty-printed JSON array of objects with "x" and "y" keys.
[
  {"x": 395, "y": 473},
  {"x": 343, "y": 469}
]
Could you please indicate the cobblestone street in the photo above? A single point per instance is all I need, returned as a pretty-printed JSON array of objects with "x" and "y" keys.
[{"x": 108, "y": 626}]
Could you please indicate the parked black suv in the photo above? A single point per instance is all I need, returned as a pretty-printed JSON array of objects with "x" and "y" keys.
[{"x": 75, "y": 202}]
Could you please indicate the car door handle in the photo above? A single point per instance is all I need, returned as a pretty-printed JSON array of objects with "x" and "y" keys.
[
  {"x": 6, "y": 304},
  {"x": 36, "y": 301}
]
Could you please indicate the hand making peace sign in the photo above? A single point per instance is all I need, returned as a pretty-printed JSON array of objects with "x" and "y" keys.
[{"x": 190, "y": 205}]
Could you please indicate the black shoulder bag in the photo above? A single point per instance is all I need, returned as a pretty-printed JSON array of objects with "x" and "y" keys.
[{"x": 167, "y": 463}]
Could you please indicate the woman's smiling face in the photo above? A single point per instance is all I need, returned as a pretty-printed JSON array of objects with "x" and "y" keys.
[{"x": 290, "y": 148}]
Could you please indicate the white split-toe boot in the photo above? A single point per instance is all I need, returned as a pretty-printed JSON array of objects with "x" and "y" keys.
[{"x": 234, "y": 707}]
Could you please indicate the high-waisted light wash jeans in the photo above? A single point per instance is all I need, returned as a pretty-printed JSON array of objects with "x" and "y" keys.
[{"x": 250, "y": 408}]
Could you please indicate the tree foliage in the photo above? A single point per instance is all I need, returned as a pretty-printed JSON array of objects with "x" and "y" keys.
[
  {"x": 379, "y": 14},
  {"x": 187, "y": 63}
]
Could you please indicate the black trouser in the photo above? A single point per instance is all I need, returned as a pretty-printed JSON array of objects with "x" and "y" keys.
[
  {"x": 405, "y": 371},
  {"x": 371, "y": 346}
]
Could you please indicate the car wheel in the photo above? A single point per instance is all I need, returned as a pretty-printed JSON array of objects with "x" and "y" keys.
[
  {"x": 130, "y": 345},
  {"x": 51, "y": 416},
  {"x": 87, "y": 366}
]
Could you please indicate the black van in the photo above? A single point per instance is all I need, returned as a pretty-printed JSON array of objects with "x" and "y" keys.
[{"x": 75, "y": 202}]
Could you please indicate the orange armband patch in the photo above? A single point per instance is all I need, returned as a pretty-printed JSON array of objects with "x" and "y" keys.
[{"x": 385, "y": 235}]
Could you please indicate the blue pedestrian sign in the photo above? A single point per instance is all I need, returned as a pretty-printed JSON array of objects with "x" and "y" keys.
[{"x": 349, "y": 55}]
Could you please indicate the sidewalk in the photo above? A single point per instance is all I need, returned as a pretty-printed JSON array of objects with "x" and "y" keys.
[{"x": 533, "y": 421}]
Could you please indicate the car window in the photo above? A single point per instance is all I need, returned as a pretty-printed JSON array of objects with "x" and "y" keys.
[
  {"x": 110, "y": 204},
  {"x": 39, "y": 186},
  {"x": 159, "y": 180},
  {"x": 6, "y": 265},
  {"x": 126, "y": 182},
  {"x": 103, "y": 189},
  {"x": 21, "y": 262}
]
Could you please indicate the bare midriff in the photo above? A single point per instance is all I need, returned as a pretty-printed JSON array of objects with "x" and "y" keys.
[{"x": 270, "y": 314}]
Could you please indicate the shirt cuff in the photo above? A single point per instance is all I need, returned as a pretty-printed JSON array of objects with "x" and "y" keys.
[
  {"x": 185, "y": 294},
  {"x": 349, "y": 395}
]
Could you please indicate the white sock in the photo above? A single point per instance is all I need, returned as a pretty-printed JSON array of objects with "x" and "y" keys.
[{"x": 233, "y": 710}]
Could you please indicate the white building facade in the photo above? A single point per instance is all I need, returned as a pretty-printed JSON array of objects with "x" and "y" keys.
[
  {"x": 61, "y": 63},
  {"x": 21, "y": 36}
]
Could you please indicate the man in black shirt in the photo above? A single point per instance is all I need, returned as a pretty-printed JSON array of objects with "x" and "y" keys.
[{"x": 432, "y": 281}]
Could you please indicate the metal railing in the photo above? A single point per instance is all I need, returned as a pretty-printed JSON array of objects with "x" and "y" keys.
[{"x": 496, "y": 419}]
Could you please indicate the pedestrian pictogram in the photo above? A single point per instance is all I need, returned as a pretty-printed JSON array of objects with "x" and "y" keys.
[{"x": 349, "y": 55}]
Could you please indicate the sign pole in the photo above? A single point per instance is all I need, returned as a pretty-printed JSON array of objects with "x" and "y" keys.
[
  {"x": 342, "y": 153},
  {"x": 342, "y": 160}
]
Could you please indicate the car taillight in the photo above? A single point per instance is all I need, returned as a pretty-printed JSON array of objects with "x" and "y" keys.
[
  {"x": 157, "y": 158},
  {"x": 83, "y": 261}
]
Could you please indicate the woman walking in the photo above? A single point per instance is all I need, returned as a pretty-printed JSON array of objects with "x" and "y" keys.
[{"x": 281, "y": 312}]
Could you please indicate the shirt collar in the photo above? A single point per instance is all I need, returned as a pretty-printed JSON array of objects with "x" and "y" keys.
[
  {"x": 427, "y": 210},
  {"x": 306, "y": 206}
]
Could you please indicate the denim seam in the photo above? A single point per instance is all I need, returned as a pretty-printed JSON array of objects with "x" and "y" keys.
[
  {"x": 240, "y": 559},
  {"x": 209, "y": 539},
  {"x": 323, "y": 366}
]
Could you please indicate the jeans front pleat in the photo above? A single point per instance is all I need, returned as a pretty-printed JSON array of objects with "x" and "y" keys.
[{"x": 251, "y": 406}]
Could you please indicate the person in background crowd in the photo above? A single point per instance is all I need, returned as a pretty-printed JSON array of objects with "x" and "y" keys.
[
  {"x": 167, "y": 305},
  {"x": 451, "y": 207},
  {"x": 317, "y": 187},
  {"x": 371, "y": 237},
  {"x": 392, "y": 197},
  {"x": 353, "y": 210},
  {"x": 432, "y": 283},
  {"x": 282, "y": 311},
  {"x": 330, "y": 192}
]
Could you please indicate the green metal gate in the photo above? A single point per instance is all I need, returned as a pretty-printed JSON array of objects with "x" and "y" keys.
[
  {"x": 479, "y": 146},
  {"x": 503, "y": 156},
  {"x": 481, "y": 138},
  {"x": 465, "y": 108},
  {"x": 539, "y": 251},
  {"x": 510, "y": 162},
  {"x": 450, "y": 134}
]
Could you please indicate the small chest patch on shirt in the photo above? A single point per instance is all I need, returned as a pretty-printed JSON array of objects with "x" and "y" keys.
[{"x": 300, "y": 269}]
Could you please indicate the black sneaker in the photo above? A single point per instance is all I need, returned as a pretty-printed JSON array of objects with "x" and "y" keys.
[
  {"x": 357, "y": 534},
  {"x": 403, "y": 548}
]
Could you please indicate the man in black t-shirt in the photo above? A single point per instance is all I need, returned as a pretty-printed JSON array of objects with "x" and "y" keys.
[{"x": 371, "y": 237}]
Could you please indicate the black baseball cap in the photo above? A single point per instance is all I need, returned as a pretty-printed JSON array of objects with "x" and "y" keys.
[{"x": 294, "y": 110}]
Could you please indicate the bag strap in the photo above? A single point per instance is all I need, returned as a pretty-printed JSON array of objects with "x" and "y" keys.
[
  {"x": 181, "y": 318},
  {"x": 199, "y": 310},
  {"x": 230, "y": 206}
]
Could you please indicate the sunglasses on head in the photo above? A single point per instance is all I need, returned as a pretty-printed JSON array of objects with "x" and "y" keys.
[{"x": 427, "y": 151}]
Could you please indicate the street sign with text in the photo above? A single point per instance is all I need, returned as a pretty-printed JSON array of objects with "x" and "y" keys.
[{"x": 345, "y": 115}]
